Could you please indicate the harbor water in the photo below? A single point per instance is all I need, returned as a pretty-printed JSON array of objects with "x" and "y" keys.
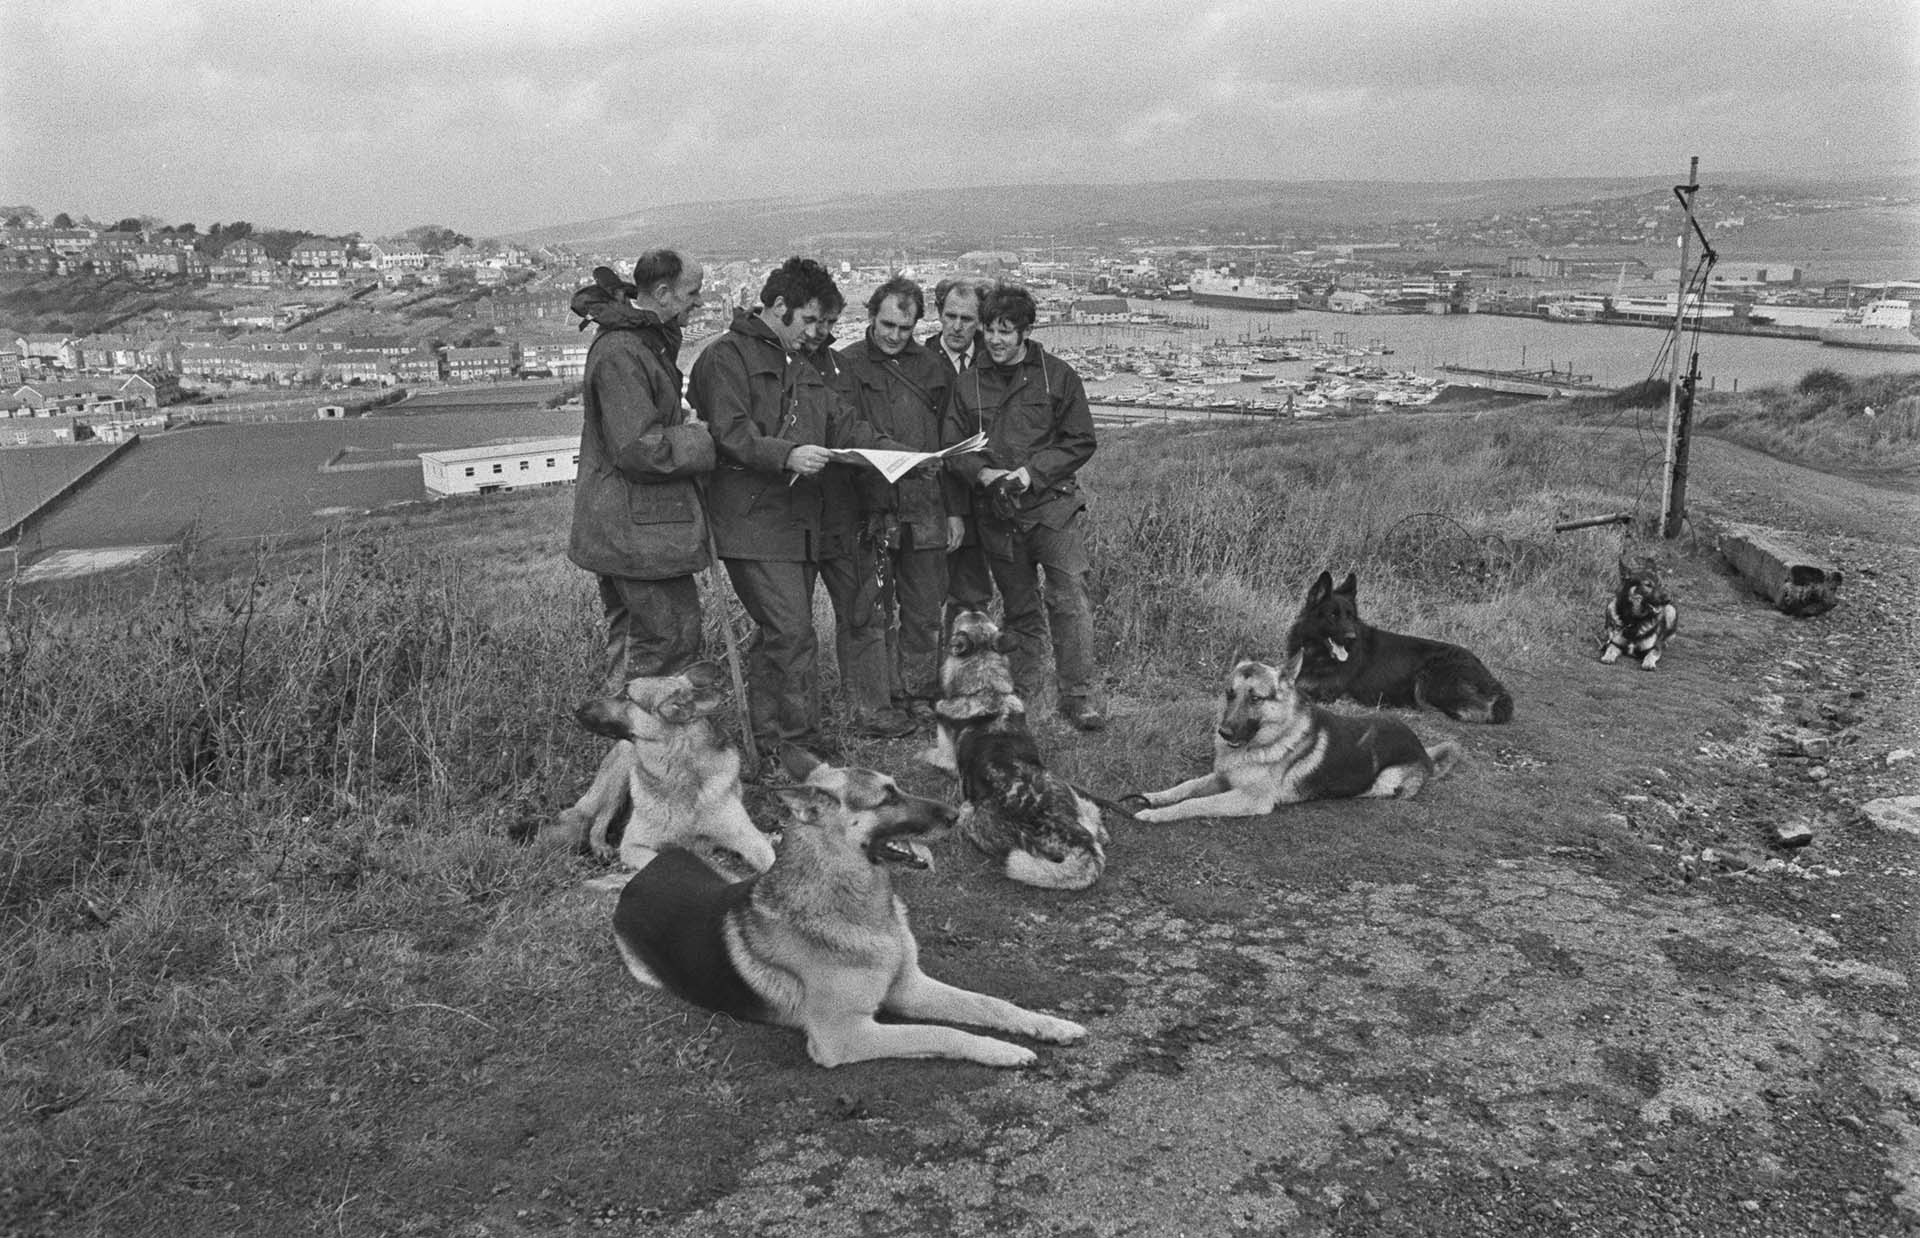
[{"x": 1615, "y": 356}]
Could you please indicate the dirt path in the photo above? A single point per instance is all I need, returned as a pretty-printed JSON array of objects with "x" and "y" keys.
[{"x": 1572, "y": 990}]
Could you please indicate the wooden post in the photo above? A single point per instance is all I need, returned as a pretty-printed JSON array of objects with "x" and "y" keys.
[{"x": 1673, "y": 498}]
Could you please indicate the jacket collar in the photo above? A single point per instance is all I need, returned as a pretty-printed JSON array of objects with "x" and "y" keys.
[{"x": 749, "y": 325}]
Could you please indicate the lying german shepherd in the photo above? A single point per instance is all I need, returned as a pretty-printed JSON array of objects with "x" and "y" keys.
[
  {"x": 1043, "y": 831},
  {"x": 1641, "y": 617},
  {"x": 1273, "y": 747},
  {"x": 1346, "y": 657},
  {"x": 819, "y": 941},
  {"x": 669, "y": 780}
]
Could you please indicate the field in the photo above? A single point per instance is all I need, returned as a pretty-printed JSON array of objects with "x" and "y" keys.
[
  {"x": 278, "y": 959},
  {"x": 245, "y": 483}
]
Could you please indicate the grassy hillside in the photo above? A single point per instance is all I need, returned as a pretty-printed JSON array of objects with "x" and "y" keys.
[
  {"x": 264, "y": 885},
  {"x": 1826, "y": 420}
]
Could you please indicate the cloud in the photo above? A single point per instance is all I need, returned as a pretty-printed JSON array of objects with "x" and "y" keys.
[{"x": 496, "y": 114}]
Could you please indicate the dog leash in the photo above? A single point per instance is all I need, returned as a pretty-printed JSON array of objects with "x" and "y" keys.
[{"x": 749, "y": 754}]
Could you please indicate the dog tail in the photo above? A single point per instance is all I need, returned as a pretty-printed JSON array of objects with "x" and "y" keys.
[
  {"x": 1118, "y": 809},
  {"x": 1503, "y": 707},
  {"x": 1445, "y": 755}
]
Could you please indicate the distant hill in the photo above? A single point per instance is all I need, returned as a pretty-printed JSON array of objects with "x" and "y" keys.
[
  {"x": 996, "y": 215},
  {"x": 1005, "y": 212}
]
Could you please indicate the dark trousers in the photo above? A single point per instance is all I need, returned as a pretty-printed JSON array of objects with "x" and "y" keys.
[
  {"x": 653, "y": 627},
  {"x": 783, "y": 681},
  {"x": 911, "y": 596},
  {"x": 1059, "y": 604},
  {"x": 969, "y": 580},
  {"x": 859, "y": 627}
]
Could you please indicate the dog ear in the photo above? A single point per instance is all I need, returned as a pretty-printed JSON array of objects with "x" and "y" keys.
[
  {"x": 705, "y": 675},
  {"x": 1321, "y": 588},
  {"x": 604, "y": 715},
  {"x": 1291, "y": 671},
  {"x": 807, "y": 805},
  {"x": 1350, "y": 586},
  {"x": 1005, "y": 642}
]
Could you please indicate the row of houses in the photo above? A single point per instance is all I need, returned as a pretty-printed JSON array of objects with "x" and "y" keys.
[
  {"x": 315, "y": 262},
  {"x": 325, "y": 357}
]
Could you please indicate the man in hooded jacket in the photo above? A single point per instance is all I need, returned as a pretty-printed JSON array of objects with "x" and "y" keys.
[
  {"x": 637, "y": 519},
  {"x": 1027, "y": 499}
]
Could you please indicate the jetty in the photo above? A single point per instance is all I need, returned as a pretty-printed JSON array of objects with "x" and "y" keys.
[{"x": 1549, "y": 383}]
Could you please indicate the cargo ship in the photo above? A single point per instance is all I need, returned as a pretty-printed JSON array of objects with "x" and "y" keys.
[
  {"x": 1250, "y": 292},
  {"x": 1885, "y": 325}
]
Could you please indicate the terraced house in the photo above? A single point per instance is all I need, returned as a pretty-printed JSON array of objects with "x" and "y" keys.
[
  {"x": 318, "y": 252},
  {"x": 478, "y": 365}
]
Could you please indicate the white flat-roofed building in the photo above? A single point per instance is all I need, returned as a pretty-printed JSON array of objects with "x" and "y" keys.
[{"x": 500, "y": 466}]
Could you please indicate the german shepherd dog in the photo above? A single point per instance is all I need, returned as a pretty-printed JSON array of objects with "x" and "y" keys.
[
  {"x": 1641, "y": 618},
  {"x": 820, "y": 941},
  {"x": 1346, "y": 657},
  {"x": 1273, "y": 747},
  {"x": 667, "y": 781},
  {"x": 1040, "y": 828}
]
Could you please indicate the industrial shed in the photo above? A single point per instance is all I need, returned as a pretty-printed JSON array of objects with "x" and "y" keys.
[{"x": 500, "y": 466}]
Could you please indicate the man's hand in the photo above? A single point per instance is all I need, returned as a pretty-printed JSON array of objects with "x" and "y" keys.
[
  {"x": 956, "y": 532},
  {"x": 1019, "y": 479},
  {"x": 806, "y": 459},
  {"x": 988, "y": 476}
]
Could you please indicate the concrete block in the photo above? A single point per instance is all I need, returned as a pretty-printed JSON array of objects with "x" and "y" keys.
[{"x": 1790, "y": 577}]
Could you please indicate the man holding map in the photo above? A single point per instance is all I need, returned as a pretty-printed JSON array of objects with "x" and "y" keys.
[
  {"x": 901, "y": 389},
  {"x": 775, "y": 422}
]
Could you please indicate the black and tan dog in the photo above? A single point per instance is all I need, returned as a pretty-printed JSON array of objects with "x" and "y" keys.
[
  {"x": 820, "y": 941},
  {"x": 1273, "y": 747},
  {"x": 669, "y": 780},
  {"x": 1043, "y": 830},
  {"x": 1347, "y": 657},
  {"x": 1641, "y": 618}
]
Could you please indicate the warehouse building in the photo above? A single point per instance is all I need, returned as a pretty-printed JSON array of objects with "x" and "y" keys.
[{"x": 500, "y": 466}]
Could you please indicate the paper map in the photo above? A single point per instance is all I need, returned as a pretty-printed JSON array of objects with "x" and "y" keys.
[{"x": 893, "y": 465}]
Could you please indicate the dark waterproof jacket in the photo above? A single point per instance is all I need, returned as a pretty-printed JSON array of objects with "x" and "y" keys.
[
  {"x": 762, "y": 403},
  {"x": 1035, "y": 416},
  {"x": 636, "y": 512},
  {"x": 905, "y": 397},
  {"x": 841, "y": 514}
]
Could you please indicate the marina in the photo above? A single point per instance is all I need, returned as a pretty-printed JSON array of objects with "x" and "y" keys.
[{"x": 1252, "y": 362}]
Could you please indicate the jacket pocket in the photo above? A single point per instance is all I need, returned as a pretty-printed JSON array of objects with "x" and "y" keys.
[{"x": 659, "y": 505}]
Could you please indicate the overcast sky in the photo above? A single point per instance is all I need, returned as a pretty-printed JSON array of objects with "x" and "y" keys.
[{"x": 495, "y": 115}]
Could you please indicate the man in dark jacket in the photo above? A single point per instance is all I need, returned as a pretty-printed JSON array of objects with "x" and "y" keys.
[
  {"x": 902, "y": 390},
  {"x": 957, "y": 302},
  {"x": 1031, "y": 514},
  {"x": 848, "y": 565},
  {"x": 637, "y": 521},
  {"x": 774, "y": 423}
]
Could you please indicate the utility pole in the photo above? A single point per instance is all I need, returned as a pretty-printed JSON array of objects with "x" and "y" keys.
[{"x": 1673, "y": 498}]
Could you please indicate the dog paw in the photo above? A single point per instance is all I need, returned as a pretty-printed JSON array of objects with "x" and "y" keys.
[
  {"x": 990, "y": 1052},
  {"x": 1651, "y": 662},
  {"x": 1056, "y": 1031},
  {"x": 1610, "y": 654}
]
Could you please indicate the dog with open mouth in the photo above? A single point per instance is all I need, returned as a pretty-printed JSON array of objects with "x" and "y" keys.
[
  {"x": 1641, "y": 618},
  {"x": 1041, "y": 829},
  {"x": 668, "y": 780},
  {"x": 1344, "y": 656},
  {"x": 1271, "y": 746},
  {"x": 820, "y": 941}
]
